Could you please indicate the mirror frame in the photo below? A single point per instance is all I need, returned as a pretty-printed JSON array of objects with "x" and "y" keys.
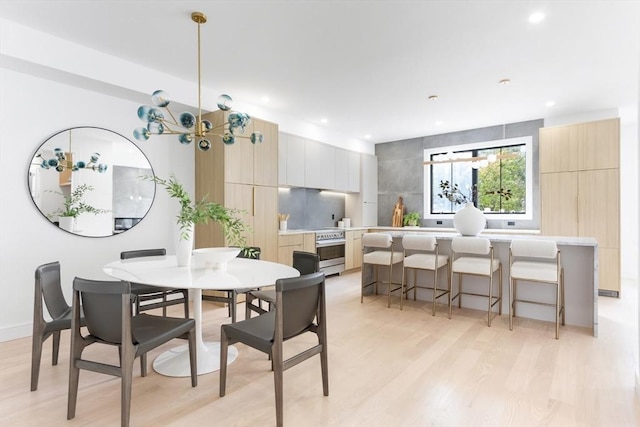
[{"x": 35, "y": 160}]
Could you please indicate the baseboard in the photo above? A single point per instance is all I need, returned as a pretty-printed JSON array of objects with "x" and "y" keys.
[{"x": 15, "y": 332}]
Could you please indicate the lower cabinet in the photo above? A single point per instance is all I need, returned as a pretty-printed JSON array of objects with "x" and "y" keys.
[
  {"x": 287, "y": 243},
  {"x": 353, "y": 249}
]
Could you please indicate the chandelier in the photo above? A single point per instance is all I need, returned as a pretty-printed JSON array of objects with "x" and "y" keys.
[
  {"x": 64, "y": 161},
  {"x": 189, "y": 127}
]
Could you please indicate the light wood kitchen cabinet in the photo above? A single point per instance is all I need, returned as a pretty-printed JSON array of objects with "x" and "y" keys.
[
  {"x": 242, "y": 176},
  {"x": 580, "y": 189},
  {"x": 288, "y": 243},
  {"x": 353, "y": 249}
]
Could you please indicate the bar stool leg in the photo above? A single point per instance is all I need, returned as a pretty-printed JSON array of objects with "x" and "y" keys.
[
  {"x": 449, "y": 285},
  {"x": 490, "y": 299}
]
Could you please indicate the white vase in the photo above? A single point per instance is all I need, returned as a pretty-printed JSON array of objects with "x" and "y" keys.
[
  {"x": 469, "y": 221},
  {"x": 184, "y": 248},
  {"x": 67, "y": 223}
]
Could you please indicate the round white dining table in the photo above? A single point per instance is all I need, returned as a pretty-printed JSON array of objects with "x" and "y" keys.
[{"x": 239, "y": 273}]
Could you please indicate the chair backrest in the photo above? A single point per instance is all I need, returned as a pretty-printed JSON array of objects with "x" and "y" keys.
[
  {"x": 306, "y": 262},
  {"x": 534, "y": 248},
  {"x": 139, "y": 253},
  {"x": 251, "y": 252},
  {"x": 48, "y": 286},
  {"x": 419, "y": 243},
  {"x": 103, "y": 303},
  {"x": 377, "y": 240},
  {"x": 302, "y": 300},
  {"x": 471, "y": 245}
]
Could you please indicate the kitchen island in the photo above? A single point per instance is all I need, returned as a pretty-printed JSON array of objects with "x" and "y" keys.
[{"x": 579, "y": 259}]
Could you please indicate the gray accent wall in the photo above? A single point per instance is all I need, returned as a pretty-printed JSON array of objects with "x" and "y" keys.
[
  {"x": 310, "y": 208},
  {"x": 401, "y": 172}
]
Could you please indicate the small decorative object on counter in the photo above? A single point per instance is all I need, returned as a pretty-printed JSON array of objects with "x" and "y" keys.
[
  {"x": 469, "y": 221},
  {"x": 398, "y": 213},
  {"x": 411, "y": 219},
  {"x": 283, "y": 218}
]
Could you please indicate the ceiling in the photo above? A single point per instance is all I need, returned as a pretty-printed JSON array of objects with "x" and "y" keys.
[{"x": 368, "y": 67}]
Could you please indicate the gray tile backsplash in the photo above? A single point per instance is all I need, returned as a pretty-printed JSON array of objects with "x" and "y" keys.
[{"x": 310, "y": 208}]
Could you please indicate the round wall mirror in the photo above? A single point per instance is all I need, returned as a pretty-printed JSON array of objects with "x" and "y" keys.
[{"x": 86, "y": 181}]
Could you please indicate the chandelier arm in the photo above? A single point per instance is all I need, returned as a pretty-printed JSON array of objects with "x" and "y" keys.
[{"x": 175, "y": 122}]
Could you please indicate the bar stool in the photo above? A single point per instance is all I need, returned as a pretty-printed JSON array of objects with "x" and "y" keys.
[
  {"x": 476, "y": 263},
  {"x": 382, "y": 255},
  {"x": 539, "y": 262},
  {"x": 421, "y": 253}
]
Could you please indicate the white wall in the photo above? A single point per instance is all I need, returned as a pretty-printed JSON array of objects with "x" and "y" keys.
[{"x": 32, "y": 110}]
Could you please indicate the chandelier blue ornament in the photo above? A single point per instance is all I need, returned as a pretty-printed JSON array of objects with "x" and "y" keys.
[
  {"x": 188, "y": 126},
  {"x": 63, "y": 160}
]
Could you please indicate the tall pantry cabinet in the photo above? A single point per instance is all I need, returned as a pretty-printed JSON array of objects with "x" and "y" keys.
[
  {"x": 243, "y": 176},
  {"x": 580, "y": 190}
]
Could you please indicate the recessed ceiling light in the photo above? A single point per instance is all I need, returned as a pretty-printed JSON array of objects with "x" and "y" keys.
[
  {"x": 534, "y": 18},
  {"x": 504, "y": 82},
  {"x": 433, "y": 98},
  {"x": 265, "y": 99},
  {"x": 323, "y": 121},
  {"x": 438, "y": 123},
  {"x": 550, "y": 103},
  {"x": 367, "y": 136}
]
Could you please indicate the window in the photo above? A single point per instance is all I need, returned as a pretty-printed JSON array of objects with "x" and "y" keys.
[{"x": 496, "y": 176}]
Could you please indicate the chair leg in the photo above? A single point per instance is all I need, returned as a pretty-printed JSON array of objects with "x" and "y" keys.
[
  {"x": 490, "y": 300},
  {"x": 511, "y": 302},
  {"x": 185, "y": 294},
  {"x": 389, "y": 294},
  {"x": 459, "y": 290},
  {"x": 500, "y": 289},
  {"x": 74, "y": 377},
  {"x": 232, "y": 306},
  {"x": 224, "y": 346},
  {"x": 449, "y": 285},
  {"x": 402, "y": 286},
  {"x": 126, "y": 370},
  {"x": 143, "y": 365},
  {"x": 435, "y": 290},
  {"x": 277, "y": 381},
  {"x": 193, "y": 358},
  {"x": 562, "y": 295},
  {"x": 36, "y": 354},
  {"x": 56, "y": 348},
  {"x": 164, "y": 304}
]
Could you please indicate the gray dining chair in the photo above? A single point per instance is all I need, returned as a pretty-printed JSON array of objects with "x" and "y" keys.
[
  {"x": 230, "y": 297},
  {"x": 300, "y": 308},
  {"x": 48, "y": 289},
  {"x": 148, "y": 297},
  {"x": 109, "y": 320},
  {"x": 304, "y": 262}
]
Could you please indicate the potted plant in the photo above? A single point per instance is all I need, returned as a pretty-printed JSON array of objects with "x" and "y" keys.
[
  {"x": 200, "y": 212},
  {"x": 73, "y": 206},
  {"x": 411, "y": 219}
]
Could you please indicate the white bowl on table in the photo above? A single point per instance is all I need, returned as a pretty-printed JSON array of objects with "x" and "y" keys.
[{"x": 215, "y": 258}]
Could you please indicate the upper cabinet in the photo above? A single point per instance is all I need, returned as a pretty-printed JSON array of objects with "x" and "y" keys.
[
  {"x": 311, "y": 164},
  {"x": 320, "y": 165}
]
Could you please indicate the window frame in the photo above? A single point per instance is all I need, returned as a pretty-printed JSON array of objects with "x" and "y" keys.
[{"x": 527, "y": 141}]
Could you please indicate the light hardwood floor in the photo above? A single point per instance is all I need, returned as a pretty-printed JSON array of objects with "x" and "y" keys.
[{"x": 386, "y": 368}]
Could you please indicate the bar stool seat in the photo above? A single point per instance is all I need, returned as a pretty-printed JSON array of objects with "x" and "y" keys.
[
  {"x": 421, "y": 253},
  {"x": 478, "y": 260},
  {"x": 382, "y": 255},
  {"x": 536, "y": 261}
]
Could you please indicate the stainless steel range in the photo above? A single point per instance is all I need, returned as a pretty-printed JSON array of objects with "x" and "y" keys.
[{"x": 330, "y": 249}]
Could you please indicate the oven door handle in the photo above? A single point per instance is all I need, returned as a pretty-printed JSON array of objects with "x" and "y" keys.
[{"x": 332, "y": 242}]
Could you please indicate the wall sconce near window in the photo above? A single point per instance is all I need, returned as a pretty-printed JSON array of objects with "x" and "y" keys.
[
  {"x": 188, "y": 126},
  {"x": 64, "y": 161}
]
